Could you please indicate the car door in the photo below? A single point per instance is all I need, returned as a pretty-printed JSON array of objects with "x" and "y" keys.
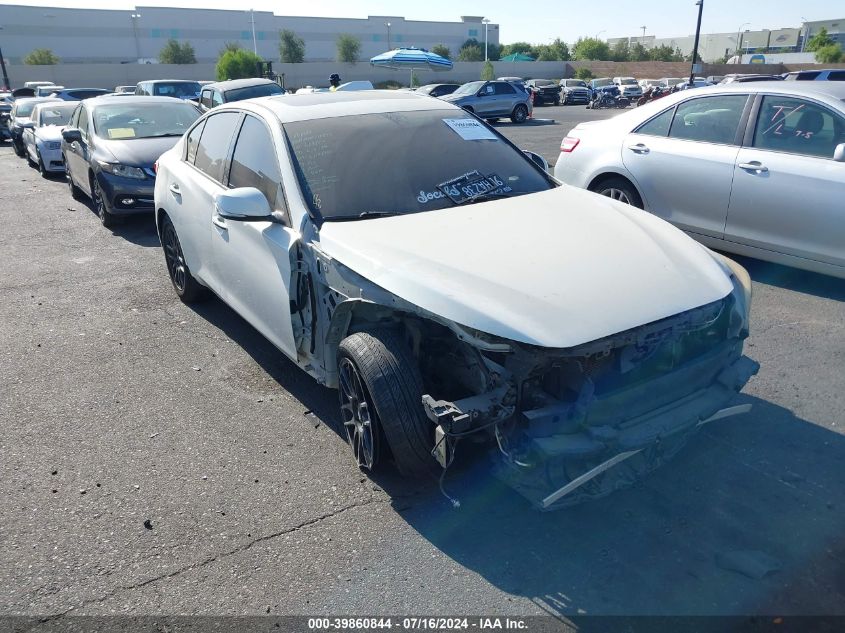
[
  {"x": 485, "y": 102},
  {"x": 190, "y": 192},
  {"x": 28, "y": 136},
  {"x": 506, "y": 98},
  {"x": 788, "y": 193},
  {"x": 682, "y": 161},
  {"x": 253, "y": 257},
  {"x": 76, "y": 153}
]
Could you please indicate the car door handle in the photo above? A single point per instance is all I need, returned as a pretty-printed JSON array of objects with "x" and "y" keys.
[
  {"x": 219, "y": 222},
  {"x": 754, "y": 165},
  {"x": 174, "y": 189},
  {"x": 639, "y": 148}
]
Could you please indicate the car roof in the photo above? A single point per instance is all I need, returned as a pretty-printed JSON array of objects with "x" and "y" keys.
[
  {"x": 168, "y": 81},
  {"x": 37, "y": 99},
  {"x": 833, "y": 89},
  {"x": 232, "y": 84},
  {"x": 136, "y": 99},
  {"x": 326, "y": 105}
]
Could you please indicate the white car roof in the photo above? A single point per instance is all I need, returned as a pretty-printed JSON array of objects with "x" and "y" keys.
[{"x": 327, "y": 105}]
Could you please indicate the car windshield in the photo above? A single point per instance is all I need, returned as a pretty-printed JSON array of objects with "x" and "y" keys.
[
  {"x": 543, "y": 82},
  {"x": 575, "y": 83},
  {"x": 25, "y": 109},
  {"x": 598, "y": 83},
  {"x": 58, "y": 114},
  {"x": 469, "y": 89},
  {"x": 251, "y": 92},
  {"x": 176, "y": 89},
  {"x": 350, "y": 168},
  {"x": 628, "y": 81},
  {"x": 143, "y": 120}
]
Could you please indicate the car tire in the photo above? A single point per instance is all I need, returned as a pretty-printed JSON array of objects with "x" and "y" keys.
[
  {"x": 557, "y": 101},
  {"x": 29, "y": 160},
  {"x": 75, "y": 192},
  {"x": 519, "y": 114},
  {"x": 106, "y": 218},
  {"x": 187, "y": 288},
  {"x": 390, "y": 384},
  {"x": 618, "y": 188},
  {"x": 42, "y": 168},
  {"x": 19, "y": 149}
]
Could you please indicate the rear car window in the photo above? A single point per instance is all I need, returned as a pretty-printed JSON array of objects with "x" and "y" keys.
[
  {"x": 796, "y": 126},
  {"x": 252, "y": 92}
]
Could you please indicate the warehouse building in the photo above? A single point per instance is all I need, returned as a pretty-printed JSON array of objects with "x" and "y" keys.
[{"x": 94, "y": 35}]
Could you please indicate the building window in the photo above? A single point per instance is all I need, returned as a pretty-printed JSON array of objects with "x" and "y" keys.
[
  {"x": 376, "y": 37},
  {"x": 174, "y": 34},
  {"x": 155, "y": 33},
  {"x": 397, "y": 38},
  {"x": 260, "y": 35},
  {"x": 245, "y": 35},
  {"x": 473, "y": 32}
]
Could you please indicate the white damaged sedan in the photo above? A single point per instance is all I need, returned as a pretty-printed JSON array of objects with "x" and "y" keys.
[
  {"x": 43, "y": 141},
  {"x": 402, "y": 251}
]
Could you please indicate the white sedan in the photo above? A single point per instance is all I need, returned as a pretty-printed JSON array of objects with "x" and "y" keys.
[
  {"x": 43, "y": 141},
  {"x": 756, "y": 169},
  {"x": 455, "y": 289}
]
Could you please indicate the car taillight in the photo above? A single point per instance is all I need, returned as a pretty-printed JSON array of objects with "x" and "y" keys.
[
  {"x": 569, "y": 143},
  {"x": 155, "y": 167}
]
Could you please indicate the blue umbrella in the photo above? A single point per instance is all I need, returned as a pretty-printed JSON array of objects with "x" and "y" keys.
[{"x": 412, "y": 59}]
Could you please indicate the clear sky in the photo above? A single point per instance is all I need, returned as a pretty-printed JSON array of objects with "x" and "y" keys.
[{"x": 537, "y": 21}]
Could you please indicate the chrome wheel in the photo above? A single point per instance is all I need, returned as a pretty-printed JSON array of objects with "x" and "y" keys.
[
  {"x": 616, "y": 194},
  {"x": 175, "y": 260},
  {"x": 358, "y": 415},
  {"x": 99, "y": 202}
]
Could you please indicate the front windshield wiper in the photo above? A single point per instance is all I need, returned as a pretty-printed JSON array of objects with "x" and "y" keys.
[
  {"x": 166, "y": 134},
  {"x": 492, "y": 195},
  {"x": 362, "y": 216}
]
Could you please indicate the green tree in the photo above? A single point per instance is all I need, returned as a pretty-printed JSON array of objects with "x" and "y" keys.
[
  {"x": 494, "y": 51},
  {"x": 621, "y": 52},
  {"x": 584, "y": 74},
  {"x": 471, "y": 53},
  {"x": 229, "y": 46},
  {"x": 561, "y": 50},
  {"x": 442, "y": 50},
  {"x": 830, "y": 54},
  {"x": 237, "y": 64},
  {"x": 519, "y": 47},
  {"x": 41, "y": 57},
  {"x": 664, "y": 53},
  {"x": 291, "y": 47},
  {"x": 176, "y": 53},
  {"x": 591, "y": 48},
  {"x": 638, "y": 53},
  {"x": 348, "y": 48},
  {"x": 819, "y": 40},
  {"x": 487, "y": 72}
]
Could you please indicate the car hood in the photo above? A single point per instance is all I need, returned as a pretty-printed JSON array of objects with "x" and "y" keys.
[
  {"x": 49, "y": 133},
  {"x": 556, "y": 269},
  {"x": 140, "y": 152}
]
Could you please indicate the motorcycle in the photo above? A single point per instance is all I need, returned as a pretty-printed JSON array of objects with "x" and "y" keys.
[
  {"x": 608, "y": 98},
  {"x": 655, "y": 92}
]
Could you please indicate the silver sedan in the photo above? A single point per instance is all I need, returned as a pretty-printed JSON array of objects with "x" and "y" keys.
[{"x": 756, "y": 169}]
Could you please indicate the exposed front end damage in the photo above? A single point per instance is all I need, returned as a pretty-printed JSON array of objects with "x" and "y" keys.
[
  {"x": 580, "y": 423},
  {"x": 564, "y": 425}
]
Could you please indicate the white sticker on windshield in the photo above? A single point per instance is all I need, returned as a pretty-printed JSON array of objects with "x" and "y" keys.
[{"x": 470, "y": 129}]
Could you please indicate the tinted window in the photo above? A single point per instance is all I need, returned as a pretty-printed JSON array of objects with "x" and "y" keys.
[
  {"x": 347, "y": 166},
  {"x": 838, "y": 75},
  {"x": 793, "y": 125},
  {"x": 74, "y": 119},
  {"x": 251, "y": 92},
  {"x": 659, "y": 125},
  {"x": 710, "y": 119},
  {"x": 176, "y": 88},
  {"x": 214, "y": 143},
  {"x": 86, "y": 94},
  {"x": 192, "y": 143},
  {"x": 254, "y": 162},
  {"x": 83, "y": 122},
  {"x": 504, "y": 89}
]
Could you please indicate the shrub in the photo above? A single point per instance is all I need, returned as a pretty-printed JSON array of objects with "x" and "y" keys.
[
  {"x": 176, "y": 53},
  {"x": 237, "y": 64},
  {"x": 348, "y": 48},
  {"x": 291, "y": 47},
  {"x": 585, "y": 74},
  {"x": 41, "y": 57}
]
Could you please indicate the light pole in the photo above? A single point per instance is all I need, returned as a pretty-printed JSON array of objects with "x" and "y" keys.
[
  {"x": 805, "y": 34},
  {"x": 134, "y": 17},
  {"x": 600, "y": 32},
  {"x": 6, "y": 85},
  {"x": 700, "y": 4},
  {"x": 252, "y": 20},
  {"x": 739, "y": 36},
  {"x": 387, "y": 24},
  {"x": 485, "y": 21}
]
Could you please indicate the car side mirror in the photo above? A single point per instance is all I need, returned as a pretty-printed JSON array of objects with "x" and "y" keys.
[
  {"x": 72, "y": 135},
  {"x": 839, "y": 153},
  {"x": 538, "y": 160},
  {"x": 244, "y": 203}
]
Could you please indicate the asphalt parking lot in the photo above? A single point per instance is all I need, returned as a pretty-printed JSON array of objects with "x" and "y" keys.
[{"x": 164, "y": 459}]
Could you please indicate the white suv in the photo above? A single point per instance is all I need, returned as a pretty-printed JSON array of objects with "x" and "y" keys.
[{"x": 628, "y": 87}]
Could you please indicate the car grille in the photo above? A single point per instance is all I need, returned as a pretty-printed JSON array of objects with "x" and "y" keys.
[{"x": 53, "y": 145}]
